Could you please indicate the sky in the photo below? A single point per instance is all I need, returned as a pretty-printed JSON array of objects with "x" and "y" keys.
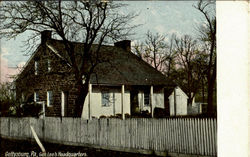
[{"x": 164, "y": 17}]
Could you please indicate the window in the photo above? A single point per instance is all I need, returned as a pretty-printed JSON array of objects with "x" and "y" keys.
[
  {"x": 36, "y": 96},
  {"x": 146, "y": 98},
  {"x": 49, "y": 98},
  {"x": 36, "y": 67},
  {"x": 49, "y": 65},
  {"x": 107, "y": 98}
]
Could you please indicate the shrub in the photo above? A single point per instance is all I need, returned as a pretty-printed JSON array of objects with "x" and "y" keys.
[
  {"x": 31, "y": 109},
  {"x": 8, "y": 104},
  {"x": 159, "y": 112},
  {"x": 102, "y": 116}
]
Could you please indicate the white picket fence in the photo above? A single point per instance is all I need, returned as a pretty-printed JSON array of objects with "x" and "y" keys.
[{"x": 178, "y": 135}]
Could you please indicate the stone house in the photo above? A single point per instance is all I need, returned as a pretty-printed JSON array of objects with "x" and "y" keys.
[{"x": 123, "y": 85}]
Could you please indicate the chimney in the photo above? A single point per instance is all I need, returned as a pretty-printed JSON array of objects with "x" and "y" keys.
[
  {"x": 45, "y": 35},
  {"x": 124, "y": 44}
]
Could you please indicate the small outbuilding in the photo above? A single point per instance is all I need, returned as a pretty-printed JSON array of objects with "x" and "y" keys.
[{"x": 178, "y": 101}]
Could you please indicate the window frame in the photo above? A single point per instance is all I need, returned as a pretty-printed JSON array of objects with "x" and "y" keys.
[
  {"x": 36, "y": 96},
  {"x": 49, "y": 98},
  {"x": 36, "y": 66},
  {"x": 110, "y": 100}
]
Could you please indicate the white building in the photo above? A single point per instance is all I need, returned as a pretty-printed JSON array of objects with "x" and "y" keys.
[
  {"x": 178, "y": 101},
  {"x": 113, "y": 100}
]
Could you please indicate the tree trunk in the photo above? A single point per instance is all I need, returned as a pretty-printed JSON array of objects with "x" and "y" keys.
[
  {"x": 79, "y": 103},
  {"x": 190, "y": 101},
  {"x": 211, "y": 85},
  {"x": 203, "y": 90},
  {"x": 210, "y": 100}
]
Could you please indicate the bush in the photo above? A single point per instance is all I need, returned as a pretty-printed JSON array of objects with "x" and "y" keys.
[
  {"x": 31, "y": 109},
  {"x": 8, "y": 104},
  {"x": 160, "y": 112},
  {"x": 102, "y": 116}
]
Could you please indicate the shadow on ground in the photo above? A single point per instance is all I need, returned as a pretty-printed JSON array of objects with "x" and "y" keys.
[{"x": 8, "y": 146}]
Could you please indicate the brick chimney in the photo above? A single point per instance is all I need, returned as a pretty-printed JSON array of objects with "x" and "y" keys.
[
  {"x": 45, "y": 35},
  {"x": 124, "y": 44}
]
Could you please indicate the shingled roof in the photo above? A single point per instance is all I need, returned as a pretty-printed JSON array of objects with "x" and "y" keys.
[{"x": 122, "y": 67}]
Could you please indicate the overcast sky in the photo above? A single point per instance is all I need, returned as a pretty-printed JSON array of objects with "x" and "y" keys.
[{"x": 164, "y": 17}]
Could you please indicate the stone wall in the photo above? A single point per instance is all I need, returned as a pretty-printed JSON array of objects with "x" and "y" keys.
[{"x": 58, "y": 79}]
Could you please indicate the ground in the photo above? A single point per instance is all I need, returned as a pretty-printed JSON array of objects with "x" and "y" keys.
[{"x": 8, "y": 146}]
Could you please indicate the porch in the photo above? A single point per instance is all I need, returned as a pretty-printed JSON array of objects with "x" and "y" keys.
[{"x": 112, "y": 100}]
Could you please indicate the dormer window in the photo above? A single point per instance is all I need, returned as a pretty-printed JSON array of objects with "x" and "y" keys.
[
  {"x": 36, "y": 67},
  {"x": 49, "y": 65}
]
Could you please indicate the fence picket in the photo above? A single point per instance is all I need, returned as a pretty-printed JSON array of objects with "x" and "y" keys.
[
  {"x": 160, "y": 131},
  {"x": 152, "y": 134},
  {"x": 202, "y": 136},
  {"x": 184, "y": 135},
  {"x": 215, "y": 137},
  {"x": 205, "y": 136},
  {"x": 185, "y": 131},
  {"x": 196, "y": 139},
  {"x": 178, "y": 135},
  {"x": 212, "y": 134},
  {"x": 208, "y": 136},
  {"x": 199, "y": 141},
  {"x": 191, "y": 139},
  {"x": 114, "y": 132},
  {"x": 172, "y": 135},
  {"x": 166, "y": 128},
  {"x": 175, "y": 135},
  {"x": 188, "y": 135}
]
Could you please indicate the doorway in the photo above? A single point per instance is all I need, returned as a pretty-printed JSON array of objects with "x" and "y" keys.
[{"x": 134, "y": 102}]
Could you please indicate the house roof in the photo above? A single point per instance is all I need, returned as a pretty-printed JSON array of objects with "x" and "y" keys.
[
  {"x": 117, "y": 66},
  {"x": 120, "y": 66},
  {"x": 171, "y": 91}
]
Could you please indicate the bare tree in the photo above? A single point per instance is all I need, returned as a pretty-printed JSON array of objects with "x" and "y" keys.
[
  {"x": 208, "y": 36},
  {"x": 138, "y": 49},
  {"x": 170, "y": 62},
  {"x": 201, "y": 62},
  {"x": 155, "y": 46},
  {"x": 89, "y": 22},
  {"x": 188, "y": 76},
  {"x": 156, "y": 51}
]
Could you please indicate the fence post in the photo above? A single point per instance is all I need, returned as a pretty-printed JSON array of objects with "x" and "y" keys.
[
  {"x": 89, "y": 104},
  {"x": 9, "y": 126},
  {"x": 122, "y": 102},
  {"x": 151, "y": 100}
]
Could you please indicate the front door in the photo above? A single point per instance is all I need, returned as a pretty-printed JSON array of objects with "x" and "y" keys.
[{"x": 134, "y": 102}]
